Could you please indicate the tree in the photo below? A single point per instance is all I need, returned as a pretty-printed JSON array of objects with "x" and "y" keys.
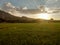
[{"x": 51, "y": 20}]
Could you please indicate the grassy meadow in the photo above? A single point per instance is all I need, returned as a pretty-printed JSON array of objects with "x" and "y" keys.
[{"x": 29, "y": 33}]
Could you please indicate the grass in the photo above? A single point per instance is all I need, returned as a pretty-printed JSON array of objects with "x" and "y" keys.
[{"x": 29, "y": 33}]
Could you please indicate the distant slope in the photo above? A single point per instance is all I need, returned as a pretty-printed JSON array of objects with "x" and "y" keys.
[{"x": 7, "y": 16}]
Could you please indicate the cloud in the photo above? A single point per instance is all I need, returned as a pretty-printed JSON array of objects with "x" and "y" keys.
[
  {"x": 0, "y": 8},
  {"x": 7, "y": 6},
  {"x": 25, "y": 8},
  {"x": 52, "y": 3},
  {"x": 52, "y": 0}
]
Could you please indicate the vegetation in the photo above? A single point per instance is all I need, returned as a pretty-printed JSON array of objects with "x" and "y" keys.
[
  {"x": 29, "y": 33},
  {"x": 8, "y": 18}
]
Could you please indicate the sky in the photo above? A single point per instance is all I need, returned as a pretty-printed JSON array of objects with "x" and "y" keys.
[
  {"x": 34, "y": 4},
  {"x": 31, "y": 4}
]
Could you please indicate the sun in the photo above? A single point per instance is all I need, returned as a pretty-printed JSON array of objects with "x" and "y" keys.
[{"x": 43, "y": 16}]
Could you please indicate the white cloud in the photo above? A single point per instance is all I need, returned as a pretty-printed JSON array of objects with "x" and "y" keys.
[
  {"x": 52, "y": 3},
  {"x": 0, "y": 8},
  {"x": 56, "y": 0},
  {"x": 15, "y": 13},
  {"x": 9, "y": 5},
  {"x": 52, "y": 0},
  {"x": 25, "y": 8}
]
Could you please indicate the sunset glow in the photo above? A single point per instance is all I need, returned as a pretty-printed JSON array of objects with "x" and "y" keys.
[{"x": 43, "y": 16}]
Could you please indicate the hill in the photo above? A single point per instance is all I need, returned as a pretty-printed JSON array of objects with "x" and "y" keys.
[{"x": 6, "y": 17}]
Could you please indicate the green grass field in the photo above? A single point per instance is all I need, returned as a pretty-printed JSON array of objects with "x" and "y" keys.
[{"x": 29, "y": 33}]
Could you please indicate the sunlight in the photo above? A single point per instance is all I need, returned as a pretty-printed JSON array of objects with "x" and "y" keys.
[
  {"x": 43, "y": 16},
  {"x": 46, "y": 9}
]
